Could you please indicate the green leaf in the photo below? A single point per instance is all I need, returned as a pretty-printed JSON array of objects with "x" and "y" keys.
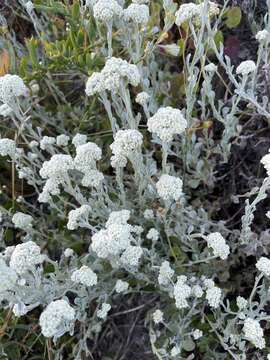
[
  {"x": 188, "y": 345},
  {"x": 23, "y": 66},
  {"x": 32, "y": 46},
  {"x": 75, "y": 12},
  {"x": 219, "y": 39},
  {"x": 233, "y": 17},
  {"x": 56, "y": 8}
]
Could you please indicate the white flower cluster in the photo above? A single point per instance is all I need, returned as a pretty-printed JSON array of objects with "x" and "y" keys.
[
  {"x": 57, "y": 318},
  {"x": 149, "y": 214},
  {"x": 169, "y": 187},
  {"x": 263, "y": 36},
  {"x": 241, "y": 303},
  {"x": 8, "y": 278},
  {"x": 22, "y": 221},
  {"x": 119, "y": 217},
  {"x": 20, "y": 309},
  {"x": 263, "y": 265},
  {"x": 84, "y": 276},
  {"x": 185, "y": 13},
  {"x": 25, "y": 257},
  {"x": 137, "y": 13},
  {"x": 86, "y": 156},
  {"x": 197, "y": 334},
  {"x": 131, "y": 256},
  {"x": 85, "y": 161},
  {"x": 103, "y": 312},
  {"x": 62, "y": 140},
  {"x": 78, "y": 217},
  {"x": 105, "y": 11},
  {"x": 142, "y": 98},
  {"x": 116, "y": 240},
  {"x": 11, "y": 87},
  {"x": 175, "y": 351},
  {"x": 29, "y": 6},
  {"x": 213, "y": 294},
  {"x": 158, "y": 316},
  {"x": 152, "y": 234},
  {"x": 165, "y": 273},
  {"x": 210, "y": 68},
  {"x": 181, "y": 292},
  {"x": 68, "y": 252},
  {"x": 197, "y": 291},
  {"x": 121, "y": 286},
  {"x": 47, "y": 142},
  {"x": 191, "y": 11},
  {"x": 56, "y": 169},
  {"x": 56, "y": 172},
  {"x": 254, "y": 333},
  {"x": 217, "y": 242},
  {"x": 7, "y": 147},
  {"x": 266, "y": 163},
  {"x": 246, "y": 67},
  {"x": 110, "y": 77},
  {"x": 126, "y": 144},
  {"x": 79, "y": 139},
  {"x": 166, "y": 123}
]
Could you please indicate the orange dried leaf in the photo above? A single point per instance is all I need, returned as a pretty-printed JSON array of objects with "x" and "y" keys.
[{"x": 4, "y": 62}]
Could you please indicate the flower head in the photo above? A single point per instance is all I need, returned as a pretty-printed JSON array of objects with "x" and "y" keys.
[
  {"x": 7, "y": 147},
  {"x": 84, "y": 276},
  {"x": 25, "y": 257},
  {"x": 263, "y": 265},
  {"x": 254, "y": 333},
  {"x": 86, "y": 156},
  {"x": 263, "y": 36},
  {"x": 121, "y": 286},
  {"x": 57, "y": 318},
  {"x": 126, "y": 144},
  {"x": 78, "y": 217},
  {"x": 131, "y": 256},
  {"x": 246, "y": 67},
  {"x": 181, "y": 292},
  {"x": 103, "y": 312},
  {"x": 217, "y": 242},
  {"x": 142, "y": 98},
  {"x": 79, "y": 139},
  {"x": 186, "y": 12},
  {"x": 158, "y": 316},
  {"x": 166, "y": 123},
  {"x": 11, "y": 87},
  {"x": 57, "y": 167},
  {"x": 22, "y": 221},
  {"x": 8, "y": 278},
  {"x": 165, "y": 273},
  {"x": 115, "y": 71},
  {"x": 138, "y": 13},
  {"x": 169, "y": 187},
  {"x": 266, "y": 163},
  {"x": 106, "y": 11},
  {"x": 213, "y": 296}
]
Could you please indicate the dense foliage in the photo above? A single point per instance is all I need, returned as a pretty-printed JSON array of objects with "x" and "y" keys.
[{"x": 134, "y": 177}]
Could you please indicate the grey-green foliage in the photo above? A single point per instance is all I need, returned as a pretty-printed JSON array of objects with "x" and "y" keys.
[{"x": 114, "y": 216}]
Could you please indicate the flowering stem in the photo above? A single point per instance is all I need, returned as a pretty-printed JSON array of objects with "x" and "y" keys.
[
  {"x": 109, "y": 39},
  {"x": 200, "y": 261},
  {"x": 253, "y": 292},
  {"x": 164, "y": 157},
  {"x": 224, "y": 345}
]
